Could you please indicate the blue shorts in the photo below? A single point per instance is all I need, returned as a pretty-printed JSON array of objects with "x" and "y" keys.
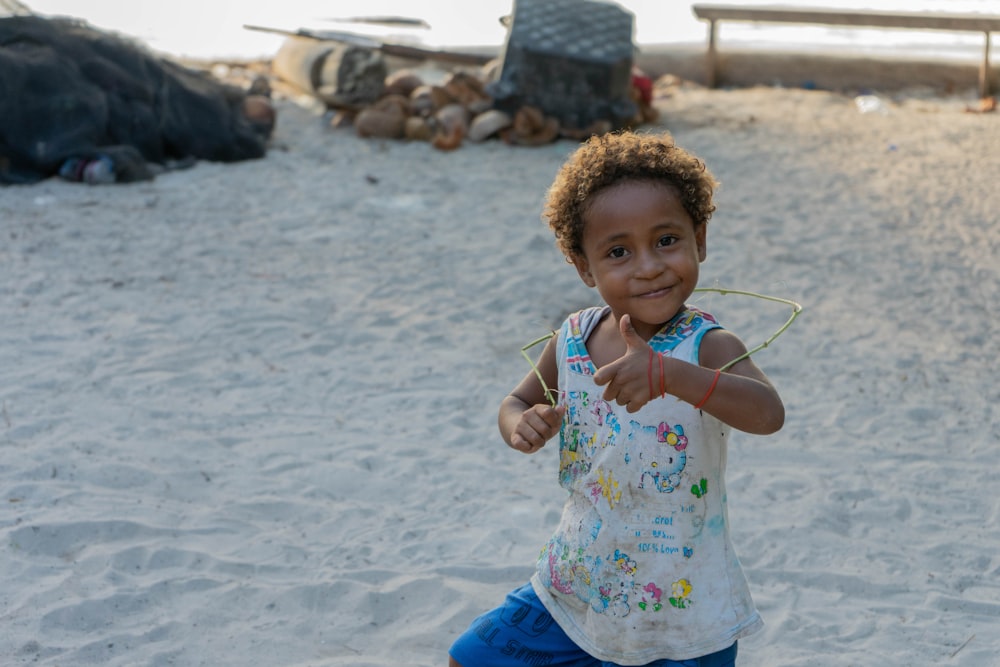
[{"x": 521, "y": 632}]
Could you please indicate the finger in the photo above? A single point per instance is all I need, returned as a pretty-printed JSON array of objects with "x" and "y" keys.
[
  {"x": 554, "y": 416},
  {"x": 610, "y": 393},
  {"x": 531, "y": 434},
  {"x": 551, "y": 422},
  {"x": 613, "y": 393},
  {"x": 632, "y": 338},
  {"x": 607, "y": 374},
  {"x": 541, "y": 425},
  {"x": 619, "y": 390},
  {"x": 523, "y": 444}
]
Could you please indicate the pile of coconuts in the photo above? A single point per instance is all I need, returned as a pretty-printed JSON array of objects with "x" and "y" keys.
[{"x": 459, "y": 109}]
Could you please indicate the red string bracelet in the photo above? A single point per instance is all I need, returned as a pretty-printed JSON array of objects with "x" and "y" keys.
[
  {"x": 649, "y": 374},
  {"x": 663, "y": 379},
  {"x": 708, "y": 393}
]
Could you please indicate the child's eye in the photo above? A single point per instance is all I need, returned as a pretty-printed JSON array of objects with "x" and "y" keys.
[
  {"x": 617, "y": 253},
  {"x": 667, "y": 240}
]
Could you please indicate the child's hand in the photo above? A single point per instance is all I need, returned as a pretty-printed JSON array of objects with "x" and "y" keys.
[
  {"x": 628, "y": 377},
  {"x": 538, "y": 424}
]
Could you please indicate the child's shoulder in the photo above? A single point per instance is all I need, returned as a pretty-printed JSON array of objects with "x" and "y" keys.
[
  {"x": 586, "y": 334},
  {"x": 699, "y": 316},
  {"x": 689, "y": 322},
  {"x": 718, "y": 347},
  {"x": 583, "y": 322}
]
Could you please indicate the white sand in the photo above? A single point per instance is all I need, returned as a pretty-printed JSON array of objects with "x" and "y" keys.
[{"x": 248, "y": 410}]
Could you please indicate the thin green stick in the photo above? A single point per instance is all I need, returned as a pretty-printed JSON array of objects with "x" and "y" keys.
[
  {"x": 549, "y": 394},
  {"x": 796, "y": 309}
]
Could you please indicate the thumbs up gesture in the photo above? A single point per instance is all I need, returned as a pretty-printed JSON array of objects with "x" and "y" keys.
[{"x": 631, "y": 378}]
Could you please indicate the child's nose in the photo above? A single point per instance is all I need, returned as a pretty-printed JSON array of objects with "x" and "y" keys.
[{"x": 648, "y": 265}]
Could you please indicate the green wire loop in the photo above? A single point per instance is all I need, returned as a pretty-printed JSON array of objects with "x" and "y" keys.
[
  {"x": 549, "y": 394},
  {"x": 796, "y": 309}
]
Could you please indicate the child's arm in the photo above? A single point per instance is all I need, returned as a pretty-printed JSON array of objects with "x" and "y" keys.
[
  {"x": 742, "y": 396},
  {"x": 527, "y": 420}
]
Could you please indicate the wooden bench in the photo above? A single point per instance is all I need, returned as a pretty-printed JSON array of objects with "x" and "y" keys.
[{"x": 983, "y": 23}]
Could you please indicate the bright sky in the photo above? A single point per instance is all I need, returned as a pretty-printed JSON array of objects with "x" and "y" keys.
[{"x": 214, "y": 28}]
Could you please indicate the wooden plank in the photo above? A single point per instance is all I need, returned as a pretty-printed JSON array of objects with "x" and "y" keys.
[
  {"x": 859, "y": 18},
  {"x": 852, "y": 18},
  {"x": 713, "y": 56},
  {"x": 388, "y": 48}
]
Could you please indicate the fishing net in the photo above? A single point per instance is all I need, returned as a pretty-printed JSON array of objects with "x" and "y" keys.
[{"x": 69, "y": 91}]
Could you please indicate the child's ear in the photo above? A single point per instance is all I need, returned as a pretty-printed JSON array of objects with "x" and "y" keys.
[
  {"x": 700, "y": 234},
  {"x": 583, "y": 268}
]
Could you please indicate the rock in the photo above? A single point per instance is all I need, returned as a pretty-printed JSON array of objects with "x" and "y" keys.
[
  {"x": 426, "y": 100},
  {"x": 402, "y": 82},
  {"x": 532, "y": 128},
  {"x": 418, "y": 128},
  {"x": 260, "y": 113},
  {"x": 452, "y": 126},
  {"x": 386, "y": 119},
  {"x": 488, "y": 124}
]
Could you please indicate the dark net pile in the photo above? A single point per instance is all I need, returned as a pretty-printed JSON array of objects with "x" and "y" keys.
[{"x": 69, "y": 92}]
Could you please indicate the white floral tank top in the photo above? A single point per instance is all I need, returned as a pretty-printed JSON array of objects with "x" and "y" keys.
[{"x": 641, "y": 566}]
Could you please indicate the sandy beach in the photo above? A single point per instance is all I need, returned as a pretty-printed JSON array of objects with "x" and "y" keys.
[{"x": 248, "y": 411}]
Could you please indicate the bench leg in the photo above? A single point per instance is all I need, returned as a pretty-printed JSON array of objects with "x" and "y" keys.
[
  {"x": 712, "y": 62},
  {"x": 984, "y": 70}
]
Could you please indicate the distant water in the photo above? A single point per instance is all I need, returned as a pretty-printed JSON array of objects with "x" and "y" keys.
[{"x": 214, "y": 28}]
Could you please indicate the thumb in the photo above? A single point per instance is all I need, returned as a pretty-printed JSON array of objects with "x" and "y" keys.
[{"x": 632, "y": 338}]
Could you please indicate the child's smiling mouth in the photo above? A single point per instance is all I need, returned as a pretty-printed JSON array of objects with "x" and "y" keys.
[{"x": 654, "y": 293}]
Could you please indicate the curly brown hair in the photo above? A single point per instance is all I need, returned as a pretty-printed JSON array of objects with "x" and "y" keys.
[{"x": 608, "y": 159}]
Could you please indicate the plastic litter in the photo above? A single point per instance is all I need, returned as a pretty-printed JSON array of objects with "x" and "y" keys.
[{"x": 871, "y": 104}]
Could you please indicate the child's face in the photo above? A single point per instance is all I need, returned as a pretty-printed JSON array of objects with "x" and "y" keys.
[{"x": 641, "y": 251}]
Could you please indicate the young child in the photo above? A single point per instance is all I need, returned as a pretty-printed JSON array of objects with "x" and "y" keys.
[{"x": 640, "y": 570}]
